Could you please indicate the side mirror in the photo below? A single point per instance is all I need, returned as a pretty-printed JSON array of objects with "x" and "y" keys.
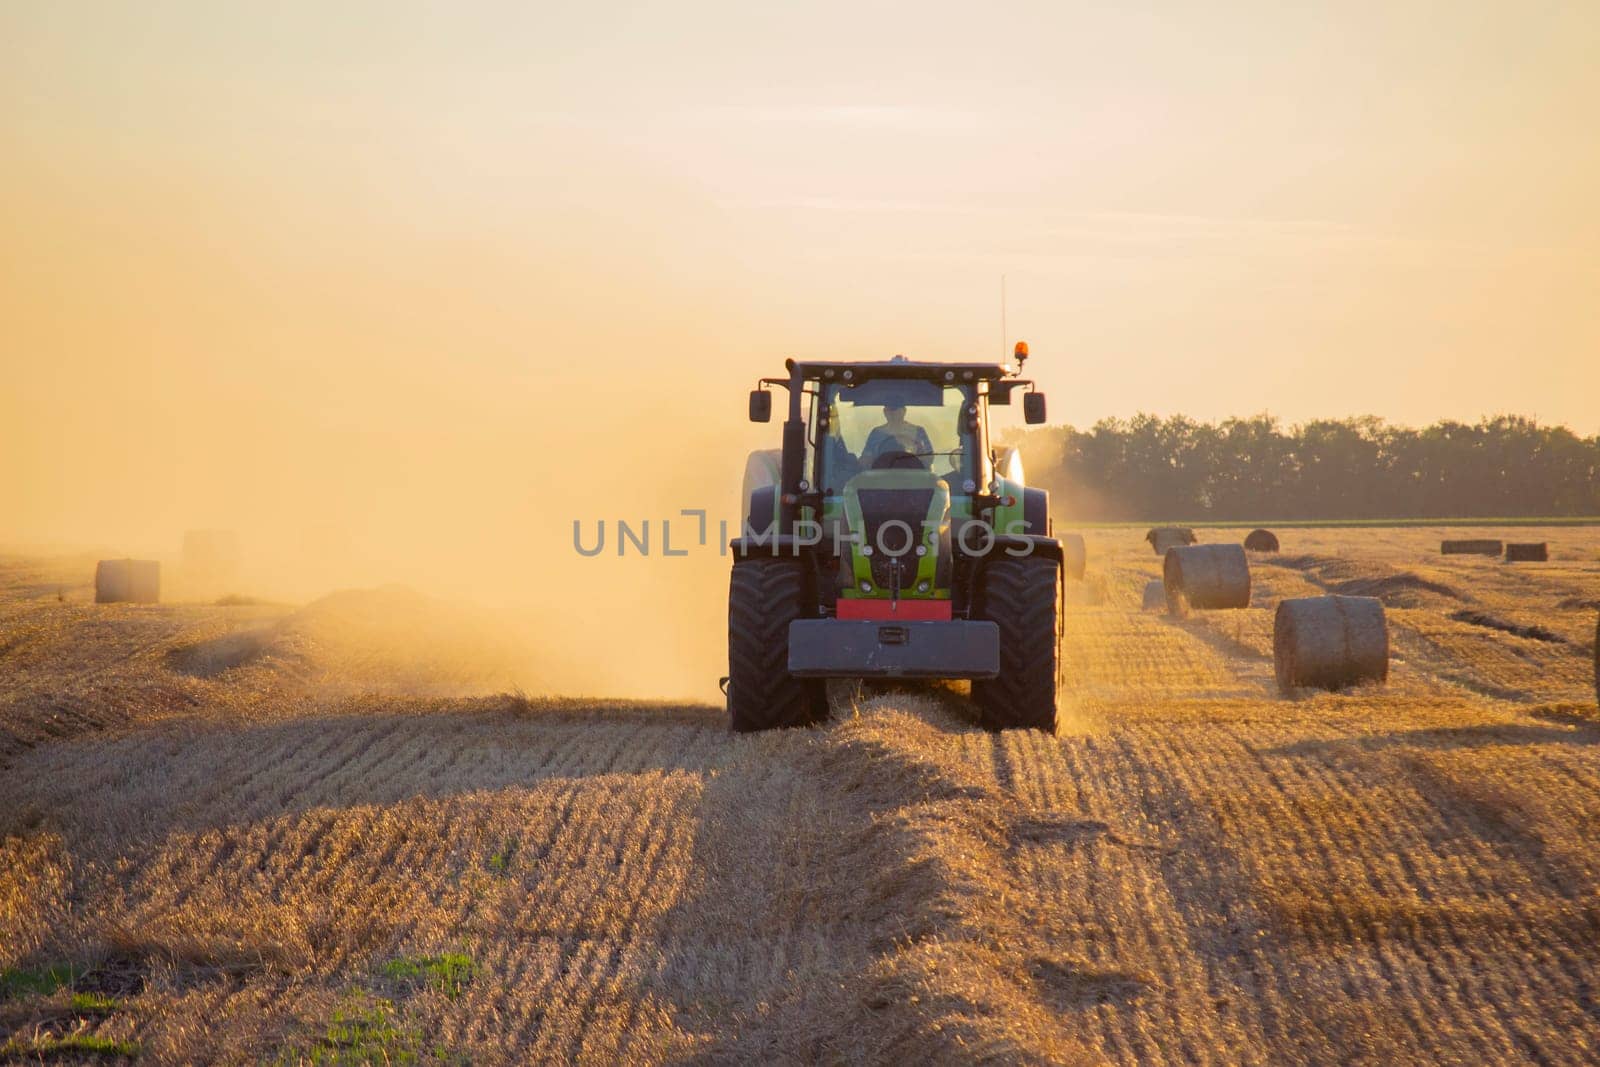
[
  {"x": 760, "y": 405},
  {"x": 1033, "y": 408}
]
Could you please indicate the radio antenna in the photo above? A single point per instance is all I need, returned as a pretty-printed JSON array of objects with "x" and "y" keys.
[{"x": 1002, "y": 316}]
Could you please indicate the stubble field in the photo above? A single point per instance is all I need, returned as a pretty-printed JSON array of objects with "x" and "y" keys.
[{"x": 316, "y": 834}]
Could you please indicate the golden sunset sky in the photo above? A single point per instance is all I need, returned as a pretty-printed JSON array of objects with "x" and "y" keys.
[{"x": 395, "y": 283}]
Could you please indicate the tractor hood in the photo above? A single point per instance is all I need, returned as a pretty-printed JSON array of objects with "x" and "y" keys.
[{"x": 899, "y": 522}]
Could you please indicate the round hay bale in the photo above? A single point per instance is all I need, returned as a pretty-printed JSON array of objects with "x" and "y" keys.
[
  {"x": 1206, "y": 577},
  {"x": 1155, "y": 595},
  {"x": 1480, "y": 547},
  {"x": 1074, "y": 556},
  {"x": 1528, "y": 553},
  {"x": 131, "y": 581},
  {"x": 1162, "y": 538},
  {"x": 1329, "y": 642},
  {"x": 761, "y": 468},
  {"x": 1261, "y": 541}
]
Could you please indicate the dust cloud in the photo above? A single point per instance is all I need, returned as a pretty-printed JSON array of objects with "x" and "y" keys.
[
  {"x": 365, "y": 398},
  {"x": 468, "y": 511},
  {"x": 363, "y": 403}
]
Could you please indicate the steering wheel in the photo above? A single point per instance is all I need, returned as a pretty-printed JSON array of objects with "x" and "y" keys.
[{"x": 895, "y": 460}]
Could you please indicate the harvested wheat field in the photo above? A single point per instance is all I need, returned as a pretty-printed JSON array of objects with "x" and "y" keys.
[{"x": 315, "y": 833}]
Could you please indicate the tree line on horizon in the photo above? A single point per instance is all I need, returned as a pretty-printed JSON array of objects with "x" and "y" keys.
[{"x": 1149, "y": 468}]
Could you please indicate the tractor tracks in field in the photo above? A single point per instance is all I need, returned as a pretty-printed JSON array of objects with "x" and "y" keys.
[
  {"x": 1194, "y": 871},
  {"x": 554, "y": 840},
  {"x": 51, "y": 701},
  {"x": 1372, "y": 864},
  {"x": 1451, "y": 637},
  {"x": 997, "y": 908},
  {"x": 1326, "y": 899}
]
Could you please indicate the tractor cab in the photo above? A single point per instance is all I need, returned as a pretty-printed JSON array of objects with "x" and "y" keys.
[{"x": 895, "y": 519}]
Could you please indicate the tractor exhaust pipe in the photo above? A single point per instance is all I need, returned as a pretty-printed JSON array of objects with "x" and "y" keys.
[{"x": 794, "y": 454}]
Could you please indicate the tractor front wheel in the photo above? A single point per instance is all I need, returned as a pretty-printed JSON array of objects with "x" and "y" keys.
[
  {"x": 764, "y": 596},
  {"x": 1023, "y": 598}
]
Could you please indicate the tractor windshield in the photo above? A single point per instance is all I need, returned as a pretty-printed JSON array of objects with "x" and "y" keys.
[{"x": 896, "y": 422}]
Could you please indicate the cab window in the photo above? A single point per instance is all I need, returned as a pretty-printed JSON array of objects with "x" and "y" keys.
[{"x": 894, "y": 423}]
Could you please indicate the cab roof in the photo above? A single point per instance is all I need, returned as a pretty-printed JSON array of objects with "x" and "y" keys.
[{"x": 816, "y": 370}]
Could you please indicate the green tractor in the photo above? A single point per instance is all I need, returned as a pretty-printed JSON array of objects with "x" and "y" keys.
[{"x": 888, "y": 538}]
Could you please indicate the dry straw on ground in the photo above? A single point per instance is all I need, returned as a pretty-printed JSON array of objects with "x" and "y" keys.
[{"x": 268, "y": 834}]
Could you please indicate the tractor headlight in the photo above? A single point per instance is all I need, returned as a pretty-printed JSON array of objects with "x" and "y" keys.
[
  {"x": 923, "y": 586},
  {"x": 922, "y": 550},
  {"x": 866, "y": 587}
]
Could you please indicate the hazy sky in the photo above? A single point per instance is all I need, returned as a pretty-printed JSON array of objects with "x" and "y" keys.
[{"x": 406, "y": 278}]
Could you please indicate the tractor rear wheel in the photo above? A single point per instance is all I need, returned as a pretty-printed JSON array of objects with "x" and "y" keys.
[
  {"x": 764, "y": 597},
  {"x": 1023, "y": 598}
]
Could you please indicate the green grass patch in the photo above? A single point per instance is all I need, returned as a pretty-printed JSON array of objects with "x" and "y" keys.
[
  {"x": 449, "y": 973},
  {"x": 70, "y": 1046},
  {"x": 93, "y": 1004},
  {"x": 500, "y": 862},
  {"x": 366, "y": 1033},
  {"x": 27, "y": 981}
]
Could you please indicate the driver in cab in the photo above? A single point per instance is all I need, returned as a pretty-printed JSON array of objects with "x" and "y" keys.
[{"x": 897, "y": 435}]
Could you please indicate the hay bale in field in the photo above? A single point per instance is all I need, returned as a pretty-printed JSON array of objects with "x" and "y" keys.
[
  {"x": 1329, "y": 642},
  {"x": 1528, "y": 553},
  {"x": 1206, "y": 577},
  {"x": 1261, "y": 541},
  {"x": 1482, "y": 547},
  {"x": 1074, "y": 556},
  {"x": 1162, "y": 538},
  {"x": 1155, "y": 595},
  {"x": 130, "y": 581},
  {"x": 762, "y": 469}
]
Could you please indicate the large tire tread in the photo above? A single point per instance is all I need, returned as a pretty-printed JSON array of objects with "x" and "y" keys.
[
  {"x": 1023, "y": 598},
  {"x": 764, "y": 597}
]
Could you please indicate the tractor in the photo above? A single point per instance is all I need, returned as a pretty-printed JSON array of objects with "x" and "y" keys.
[{"x": 890, "y": 539}]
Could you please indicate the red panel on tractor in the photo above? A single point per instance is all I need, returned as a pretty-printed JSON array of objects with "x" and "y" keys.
[{"x": 901, "y": 610}]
